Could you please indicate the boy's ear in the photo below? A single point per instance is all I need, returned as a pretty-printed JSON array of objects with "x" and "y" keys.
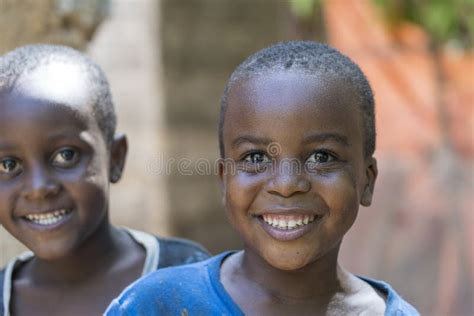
[
  {"x": 370, "y": 177},
  {"x": 221, "y": 178},
  {"x": 118, "y": 154}
]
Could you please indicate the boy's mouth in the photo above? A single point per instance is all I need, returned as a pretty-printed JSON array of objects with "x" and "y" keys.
[
  {"x": 286, "y": 227},
  {"x": 48, "y": 218},
  {"x": 288, "y": 222}
]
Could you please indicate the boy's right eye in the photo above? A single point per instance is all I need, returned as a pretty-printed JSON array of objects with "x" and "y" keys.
[
  {"x": 10, "y": 166},
  {"x": 256, "y": 158}
]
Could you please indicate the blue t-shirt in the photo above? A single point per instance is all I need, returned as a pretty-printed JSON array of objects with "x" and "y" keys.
[{"x": 195, "y": 289}]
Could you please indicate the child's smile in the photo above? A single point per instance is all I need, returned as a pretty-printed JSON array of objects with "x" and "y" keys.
[
  {"x": 54, "y": 163},
  {"x": 293, "y": 205},
  {"x": 288, "y": 224},
  {"x": 47, "y": 220}
]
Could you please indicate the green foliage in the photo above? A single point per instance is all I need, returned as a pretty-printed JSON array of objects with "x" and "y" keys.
[
  {"x": 446, "y": 21},
  {"x": 304, "y": 8}
]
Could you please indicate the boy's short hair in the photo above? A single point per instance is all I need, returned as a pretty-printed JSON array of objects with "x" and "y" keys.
[
  {"x": 311, "y": 58},
  {"x": 27, "y": 58}
]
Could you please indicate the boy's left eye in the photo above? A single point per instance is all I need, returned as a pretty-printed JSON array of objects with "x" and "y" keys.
[
  {"x": 65, "y": 158},
  {"x": 320, "y": 157}
]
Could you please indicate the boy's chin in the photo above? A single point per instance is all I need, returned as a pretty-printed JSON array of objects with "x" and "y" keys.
[{"x": 287, "y": 261}]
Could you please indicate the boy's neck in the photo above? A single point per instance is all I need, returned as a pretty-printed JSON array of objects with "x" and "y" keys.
[
  {"x": 103, "y": 247},
  {"x": 322, "y": 278}
]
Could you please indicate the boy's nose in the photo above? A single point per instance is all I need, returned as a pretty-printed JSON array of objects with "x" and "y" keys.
[
  {"x": 40, "y": 185},
  {"x": 287, "y": 180}
]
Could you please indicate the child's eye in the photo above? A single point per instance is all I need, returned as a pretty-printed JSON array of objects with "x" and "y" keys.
[
  {"x": 255, "y": 162},
  {"x": 320, "y": 157},
  {"x": 256, "y": 158},
  {"x": 65, "y": 158},
  {"x": 10, "y": 166}
]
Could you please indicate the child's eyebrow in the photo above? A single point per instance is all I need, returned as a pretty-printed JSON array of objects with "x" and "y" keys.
[
  {"x": 6, "y": 147},
  {"x": 82, "y": 136},
  {"x": 322, "y": 137},
  {"x": 61, "y": 136},
  {"x": 251, "y": 139}
]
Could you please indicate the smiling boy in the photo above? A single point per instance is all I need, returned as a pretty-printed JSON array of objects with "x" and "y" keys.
[
  {"x": 58, "y": 154},
  {"x": 297, "y": 121}
]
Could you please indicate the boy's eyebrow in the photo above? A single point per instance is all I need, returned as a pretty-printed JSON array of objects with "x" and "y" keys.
[
  {"x": 60, "y": 136},
  {"x": 321, "y": 137},
  {"x": 251, "y": 139},
  {"x": 82, "y": 136},
  {"x": 6, "y": 147}
]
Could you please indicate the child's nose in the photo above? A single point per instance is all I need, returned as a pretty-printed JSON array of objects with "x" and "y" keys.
[
  {"x": 40, "y": 185},
  {"x": 288, "y": 179}
]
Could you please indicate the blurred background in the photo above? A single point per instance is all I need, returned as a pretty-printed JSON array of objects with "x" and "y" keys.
[{"x": 168, "y": 62}]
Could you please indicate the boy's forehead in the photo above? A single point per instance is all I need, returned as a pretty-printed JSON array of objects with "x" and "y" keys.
[
  {"x": 292, "y": 105},
  {"x": 280, "y": 89},
  {"x": 56, "y": 82}
]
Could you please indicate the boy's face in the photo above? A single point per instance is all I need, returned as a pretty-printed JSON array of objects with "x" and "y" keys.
[
  {"x": 300, "y": 168},
  {"x": 54, "y": 161}
]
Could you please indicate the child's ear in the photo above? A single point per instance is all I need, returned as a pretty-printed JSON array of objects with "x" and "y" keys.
[
  {"x": 370, "y": 177},
  {"x": 221, "y": 178},
  {"x": 118, "y": 153}
]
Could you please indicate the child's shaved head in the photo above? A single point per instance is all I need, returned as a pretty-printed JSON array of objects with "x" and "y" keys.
[
  {"x": 309, "y": 58},
  {"x": 25, "y": 59}
]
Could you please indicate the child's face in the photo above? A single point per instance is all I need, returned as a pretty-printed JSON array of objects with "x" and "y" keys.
[
  {"x": 276, "y": 124},
  {"x": 54, "y": 161}
]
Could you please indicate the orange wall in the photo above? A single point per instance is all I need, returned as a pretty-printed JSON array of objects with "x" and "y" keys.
[{"x": 418, "y": 233}]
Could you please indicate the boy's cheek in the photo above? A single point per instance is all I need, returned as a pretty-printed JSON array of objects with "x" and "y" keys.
[
  {"x": 9, "y": 193},
  {"x": 88, "y": 187},
  {"x": 94, "y": 173},
  {"x": 340, "y": 196},
  {"x": 7, "y": 209},
  {"x": 241, "y": 188},
  {"x": 340, "y": 183}
]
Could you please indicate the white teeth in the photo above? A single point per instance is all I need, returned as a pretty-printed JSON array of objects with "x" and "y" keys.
[
  {"x": 47, "y": 218},
  {"x": 291, "y": 223}
]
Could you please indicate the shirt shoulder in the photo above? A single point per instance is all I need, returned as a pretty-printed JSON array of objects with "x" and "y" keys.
[
  {"x": 153, "y": 294},
  {"x": 167, "y": 252},
  {"x": 166, "y": 291},
  {"x": 395, "y": 304},
  {"x": 180, "y": 290},
  {"x": 178, "y": 251}
]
